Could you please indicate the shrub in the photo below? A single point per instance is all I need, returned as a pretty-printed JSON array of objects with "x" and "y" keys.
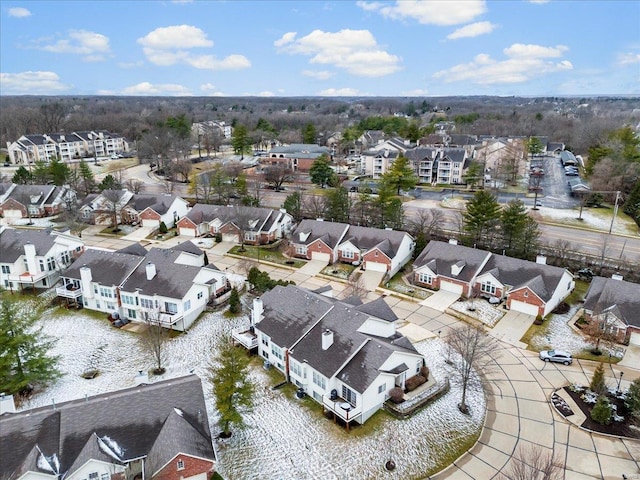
[
  {"x": 218, "y": 237},
  {"x": 262, "y": 282},
  {"x": 538, "y": 320},
  {"x": 597, "y": 381},
  {"x": 632, "y": 401},
  {"x": 414, "y": 382},
  {"x": 162, "y": 228},
  {"x": 601, "y": 412},
  {"x": 396, "y": 395},
  {"x": 235, "y": 306},
  {"x": 424, "y": 371}
]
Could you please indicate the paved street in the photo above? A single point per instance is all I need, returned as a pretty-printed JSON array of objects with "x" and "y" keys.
[{"x": 518, "y": 388}]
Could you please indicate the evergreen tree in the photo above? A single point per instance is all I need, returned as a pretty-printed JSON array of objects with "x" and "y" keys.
[
  {"x": 632, "y": 401},
  {"x": 235, "y": 306},
  {"x": 309, "y": 134},
  {"x": 180, "y": 125},
  {"x": 534, "y": 146},
  {"x": 481, "y": 217},
  {"x": 87, "y": 179},
  {"x": 232, "y": 389},
  {"x": 109, "y": 183},
  {"x": 338, "y": 205},
  {"x": 293, "y": 205},
  {"x": 473, "y": 176},
  {"x": 631, "y": 204},
  {"x": 601, "y": 411},
  {"x": 41, "y": 173},
  {"x": 513, "y": 222},
  {"x": 321, "y": 172},
  {"x": 400, "y": 175},
  {"x": 597, "y": 380},
  {"x": 22, "y": 176},
  {"x": 240, "y": 140},
  {"x": 25, "y": 362},
  {"x": 59, "y": 172}
]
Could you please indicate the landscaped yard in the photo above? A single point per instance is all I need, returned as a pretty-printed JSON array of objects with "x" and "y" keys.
[
  {"x": 479, "y": 309},
  {"x": 398, "y": 284},
  {"x": 339, "y": 270},
  {"x": 286, "y": 437},
  {"x": 266, "y": 255}
]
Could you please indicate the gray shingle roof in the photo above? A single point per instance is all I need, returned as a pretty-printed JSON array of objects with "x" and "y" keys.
[
  {"x": 264, "y": 217},
  {"x": 330, "y": 233},
  {"x": 366, "y": 238},
  {"x": 132, "y": 418},
  {"x": 12, "y": 243},
  {"x": 605, "y": 293},
  {"x": 440, "y": 256},
  {"x": 158, "y": 203},
  {"x": 107, "y": 268},
  {"x": 379, "y": 309},
  {"x": 33, "y": 194}
]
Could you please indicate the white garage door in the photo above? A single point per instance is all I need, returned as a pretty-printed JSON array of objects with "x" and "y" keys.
[
  {"x": 375, "y": 266},
  {"x": 451, "y": 287},
  {"x": 527, "y": 308},
  {"x": 188, "y": 232},
  {"x": 635, "y": 339},
  {"x": 12, "y": 213},
  {"x": 325, "y": 257},
  {"x": 149, "y": 222},
  {"x": 230, "y": 237}
]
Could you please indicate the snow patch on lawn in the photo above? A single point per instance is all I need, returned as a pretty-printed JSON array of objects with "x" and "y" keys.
[
  {"x": 588, "y": 219},
  {"x": 283, "y": 438},
  {"x": 483, "y": 311}
]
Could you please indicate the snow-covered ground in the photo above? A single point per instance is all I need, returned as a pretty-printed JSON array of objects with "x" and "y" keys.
[
  {"x": 599, "y": 222},
  {"x": 283, "y": 438},
  {"x": 483, "y": 311}
]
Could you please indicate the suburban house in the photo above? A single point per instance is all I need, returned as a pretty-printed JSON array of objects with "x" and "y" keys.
[
  {"x": 154, "y": 431},
  {"x": 375, "y": 249},
  {"x": 534, "y": 288},
  {"x": 35, "y": 258},
  {"x": 298, "y": 156},
  {"x": 346, "y": 356},
  {"x": 616, "y": 304},
  {"x": 33, "y": 201},
  {"x": 65, "y": 146},
  {"x": 145, "y": 208},
  {"x": 260, "y": 225},
  {"x": 170, "y": 286}
]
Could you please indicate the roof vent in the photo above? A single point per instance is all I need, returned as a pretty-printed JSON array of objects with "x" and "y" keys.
[
  {"x": 453, "y": 241},
  {"x": 617, "y": 276}
]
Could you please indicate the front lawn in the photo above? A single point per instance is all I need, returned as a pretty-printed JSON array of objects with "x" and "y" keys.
[
  {"x": 266, "y": 255},
  {"x": 400, "y": 285},
  {"x": 339, "y": 270}
]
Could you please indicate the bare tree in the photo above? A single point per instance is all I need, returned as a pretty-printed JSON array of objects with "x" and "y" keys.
[
  {"x": 601, "y": 326},
  {"x": 52, "y": 116},
  {"x": 153, "y": 339},
  {"x": 561, "y": 249},
  {"x": 533, "y": 462},
  {"x": 315, "y": 206},
  {"x": 425, "y": 221},
  {"x": 355, "y": 287},
  {"x": 112, "y": 207},
  {"x": 476, "y": 350},
  {"x": 134, "y": 185},
  {"x": 183, "y": 168},
  {"x": 244, "y": 220},
  {"x": 276, "y": 175}
]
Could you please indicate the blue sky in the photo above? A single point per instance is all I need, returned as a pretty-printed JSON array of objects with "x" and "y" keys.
[{"x": 325, "y": 48}]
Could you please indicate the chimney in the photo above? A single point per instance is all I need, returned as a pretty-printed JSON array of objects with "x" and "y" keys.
[
  {"x": 151, "y": 270},
  {"x": 258, "y": 309},
  {"x": 617, "y": 276},
  {"x": 30, "y": 254},
  {"x": 7, "y": 405},
  {"x": 327, "y": 339},
  {"x": 541, "y": 259},
  {"x": 453, "y": 241},
  {"x": 86, "y": 279}
]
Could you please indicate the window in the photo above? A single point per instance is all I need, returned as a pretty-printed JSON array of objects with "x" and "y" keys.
[
  {"x": 93, "y": 475},
  {"x": 301, "y": 249},
  {"x": 171, "y": 308},
  {"x": 349, "y": 395},
  {"x": 347, "y": 254},
  {"x": 200, "y": 294},
  {"x": 425, "y": 278},
  {"x": 6, "y": 269},
  {"x": 105, "y": 476},
  {"x": 250, "y": 236},
  {"x": 180, "y": 465},
  {"x": 127, "y": 299},
  {"x": 51, "y": 264},
  {"x": 187, "y": 305},
  {"x": 41, "y": 265},
  {"x": 265, "y": 340},
  {"x": 276, "y": 351},
  {"x": 319, "y": 380},
  {"x": 95, "y": 289},
  {"x": 131, "y": 313},
  {"x": 382, "y": 388},
  {"x": 97, "y": 303},
  {"x": 146, "y": 303},
  {"x": 488, "y": 288},
  {"x": 106, "y": 292},
  {"x": 65, "y": 258},
  {"x": 296, "y": 368},
  {"x": 525, "y": 294}
]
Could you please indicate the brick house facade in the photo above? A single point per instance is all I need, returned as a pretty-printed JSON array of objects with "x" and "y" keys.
[{"x": 184, "y": 467}]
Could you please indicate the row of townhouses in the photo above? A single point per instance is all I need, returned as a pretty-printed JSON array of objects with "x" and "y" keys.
[
  {"x": 33, "y": 201},
  {"x": 65, "y": 146}
]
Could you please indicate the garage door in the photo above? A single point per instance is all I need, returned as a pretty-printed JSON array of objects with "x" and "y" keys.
[
  {"x": 149, "y": 222},
  {"x": 12, "y": 213},
  {"x": 188, "y": 232},
  {"x": 527, "y": 308},
  {"x": 229, "y": 237},
  {"x": 325, "y": 257},
  {"x": 451, "y": 287},
  {"x": 635, "y": 339},
  {"x": 375, "y": 266}
]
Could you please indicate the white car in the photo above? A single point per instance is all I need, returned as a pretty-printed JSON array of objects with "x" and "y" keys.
[{"x": 558, "y": 356}]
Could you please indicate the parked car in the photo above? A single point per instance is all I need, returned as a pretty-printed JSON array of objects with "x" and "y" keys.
[
  {"x": 538, "y": 203},
  {"x": 585, "y": 274},
  {"x": 558, "y": 356}
]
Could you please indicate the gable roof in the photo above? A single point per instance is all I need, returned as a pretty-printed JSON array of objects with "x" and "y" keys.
[
  {"x": 606, "y": 293},
  {"x": 261, "y": 218},
  {"x": 330, "y": 233},
  {"x": 441, "y": 256},
  {"x": 367, "y": 238},
  {"x": 132, "y": 419},
  {"x": 12, "y": 242},
  {"x": 107, "y": 268},
  {"x": 158, "y": 203},
  {"x": 34, "y": 194}
]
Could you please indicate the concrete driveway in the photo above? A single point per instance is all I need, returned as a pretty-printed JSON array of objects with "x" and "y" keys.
[
  {"x": 140, "y": 233},
  {"x": 512, "y": 327},
  {"x": 441, "y": 300},
  {"x": 371, "y": 279},
  {"x": 313, "y": 267},
  {"x": 222, "y": 248}
]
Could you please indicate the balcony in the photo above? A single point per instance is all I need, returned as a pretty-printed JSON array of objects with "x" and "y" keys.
[
  {"x": 342, "y": 409},
  {"x": 69, "y": 291},
  {"x": 245, "y": 337},
  {"x": 27, "y": 277}
]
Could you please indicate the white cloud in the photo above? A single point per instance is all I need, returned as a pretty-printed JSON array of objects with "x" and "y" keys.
[
  {"x": 339, "y": 92},
  {"x": 318, "y": 75},
  {"x": 210, "y": 89},
  {"x": 472, "y": 30},
  {"x": 431, "y": 12},
  {"x": 138, "y": 63},
  {"x": 355, "y": 51},
  {"x": 146, "y": 88},
  {"x": 628, "y": 58},
  {"x": 540, "y": 2},
  {"x": 93, "y": 46},
  {"x": 175, "y": 37},
  {"x": 418, "y": 92},
  {"x": 168, "y": 46},
  {"x": 266, "y": 93},
  {"x": 286, "y": 38},
  {"x": 40, "y": 83},
  {"x": 523, "y": 63},
  {"x": 19, "y": 12}
]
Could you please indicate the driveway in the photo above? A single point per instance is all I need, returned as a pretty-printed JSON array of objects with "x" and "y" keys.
[
  {"x": 140, "y": 233},
  {"x": 512, "y": 327},
  {"x": 313, "y": 267},
  {"x": 222, "y": 248},
  {"x": 371, "y": 279},
  {"x": 632, "y": 354},
  {"x": 441, "y": 300}
]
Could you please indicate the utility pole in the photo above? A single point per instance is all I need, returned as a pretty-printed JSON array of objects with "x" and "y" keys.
[{"x": 615, "y": 211}]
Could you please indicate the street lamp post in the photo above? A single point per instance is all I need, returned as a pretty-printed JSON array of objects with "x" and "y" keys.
[{"x": 619, "y": 382}]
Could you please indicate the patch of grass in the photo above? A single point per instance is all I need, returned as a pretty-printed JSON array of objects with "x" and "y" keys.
[
  {"x": 578, "y": 293},
  {"x": 456, "y": 445},
  {"x": 535, "y": 331},
  {"x": 267, "y": 255},
  {"x": 109, "y": 231},
  {"x": 604, "y": 358},
  {"x": 339, "y": 270},
  {"x": 397, "y": 284}
]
